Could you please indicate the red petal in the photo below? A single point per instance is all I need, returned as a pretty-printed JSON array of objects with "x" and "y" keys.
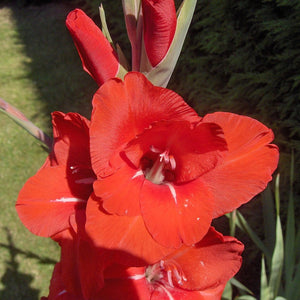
[
  {"x": 57, "y": 290},
  {"x": 71, "y": 140},
  {"x": 46, "y": 201},
  {"x": 196, "y": 150},
  {"x": 160, "y": 21},
  {"x": 122, "y": 110},
  {"x": 206, "y": 265},
  {"x": 128, "y": 284},
  {"x": 169, "y": 293},
  {"x": 126, "y": 235},
  {"x": 69, "y": 275},
  {"x": 120, "y": 192},
  {"x": 97, "y": 55},
  {"x": 176, "y": 214},
  {"x": 248, "y": 165},
  {"x": 91, "y": 263}
]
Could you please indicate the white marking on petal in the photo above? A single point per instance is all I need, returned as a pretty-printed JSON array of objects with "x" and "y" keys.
[
  {"x": 173, "y": 192},
  {"x": 155, "y": 150},
  {"x": 137, "y": 174},
  {"x": 137, "y": 277},
  {"x": 198, "y": 219},
  {"x": 62, "y": 292},
  {"x": 202, "y": 263},
  {"x": 88, "y": 180},
  {"x": 167, "y": 292},
  {"x": 66, "y": 200}
]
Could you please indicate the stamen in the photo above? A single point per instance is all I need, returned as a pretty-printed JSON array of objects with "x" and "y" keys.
[
  {"x": 169, "y": 275},
  {"x": 173, "y": 267},
  {"x": 178, "y": 277},
  {"x": 172, "y": 162},
  {"x": 153, "y": 273},
  {"x": 164, "y": 163}
]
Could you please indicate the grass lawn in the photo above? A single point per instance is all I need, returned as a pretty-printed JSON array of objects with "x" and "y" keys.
[{"x": 40, "y": 72}]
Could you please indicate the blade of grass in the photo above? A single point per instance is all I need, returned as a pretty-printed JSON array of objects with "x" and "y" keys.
[{"x": 278, "y": 254}]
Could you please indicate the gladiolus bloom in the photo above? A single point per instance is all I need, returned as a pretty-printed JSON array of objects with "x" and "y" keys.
[
  {"x": 159, "y": 19},
  {"x": 97, "y": 55},
  {"x": 63, "y": 185},
  {"x": 199, "y": 272},
  {"x": 156, "y": 159}
]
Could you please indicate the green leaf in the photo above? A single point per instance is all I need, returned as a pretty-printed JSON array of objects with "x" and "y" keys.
[
  {"x": 290, "y": 232},
  {"x": 121, "y": 57},
  {"x": 277, "y": 260},
  {"x": 105, "y": 30},
  {"x": 232, "y": 222},
  {"x": 277, "y": 195},
  {"x": 278, "y": 254},
  {"x": 240, "y": 286},
  {"x": 243, "y": 224},
  {"x": 294, "y": 290},
  {"x": 227, "y": 293},
  {"x": 264, "y": 288},
  {"x": 269, "y": 218},
  {"x": 245, "y": 297}
]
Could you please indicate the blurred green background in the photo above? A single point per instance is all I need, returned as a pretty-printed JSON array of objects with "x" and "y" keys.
[{"x": 239, "y": 56}]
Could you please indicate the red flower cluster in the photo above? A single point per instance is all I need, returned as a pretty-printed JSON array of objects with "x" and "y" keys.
[{"x": 130, "y": 195}]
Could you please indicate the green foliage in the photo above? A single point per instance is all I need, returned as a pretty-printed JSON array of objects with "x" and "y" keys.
[{"x": 280, "y": 274}]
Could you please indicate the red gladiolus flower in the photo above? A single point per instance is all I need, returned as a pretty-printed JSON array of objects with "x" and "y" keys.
[
  {"x": 197, "y": 272},
  {"x": 161, "y": 166},
  {"x": 63, "y": 185},
  {"x": 159, "y": 19},
  {"x": 97, "y": 55}
]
